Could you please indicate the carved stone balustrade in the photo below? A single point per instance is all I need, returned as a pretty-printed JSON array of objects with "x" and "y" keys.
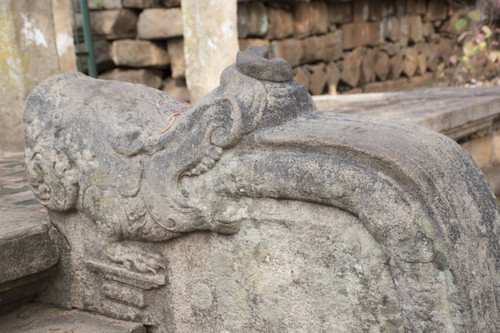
[{"x": 253, "y": 211}]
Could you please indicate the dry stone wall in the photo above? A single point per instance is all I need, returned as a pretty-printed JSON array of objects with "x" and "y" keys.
[
  {"x": 333, "y": 46},
  {"x": 355, "y": 46},
  {"x": 140, "y": 41}
]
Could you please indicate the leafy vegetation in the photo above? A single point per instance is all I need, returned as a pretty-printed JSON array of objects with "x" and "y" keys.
[
  {"x": 478, "y": 35},
  {"x": 99, "y": 5}
]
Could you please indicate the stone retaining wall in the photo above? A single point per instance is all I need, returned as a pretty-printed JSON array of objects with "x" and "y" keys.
[{"x": 334, "y": 46}]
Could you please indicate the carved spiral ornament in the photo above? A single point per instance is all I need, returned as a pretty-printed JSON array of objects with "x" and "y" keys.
[{"x": 51, "y": 177}]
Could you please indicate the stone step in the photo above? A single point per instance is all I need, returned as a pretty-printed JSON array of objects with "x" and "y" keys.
[
  {"x": 26, "y": 247},
  {"x": 36, "y": 318}
]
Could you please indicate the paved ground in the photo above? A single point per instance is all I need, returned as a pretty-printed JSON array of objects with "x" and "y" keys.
[
  {"x": 17, "y": 203},
  {"x": 455, "y": 112}
]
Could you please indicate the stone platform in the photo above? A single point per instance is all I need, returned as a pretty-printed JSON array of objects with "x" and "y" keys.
[
  {"x": 28, "y": 253},
  {"x": 471, "y": 116},
  {"x": 35, "y": 318}
]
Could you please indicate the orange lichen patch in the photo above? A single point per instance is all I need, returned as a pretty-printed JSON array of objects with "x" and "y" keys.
[{"x": 173, "y": 116}]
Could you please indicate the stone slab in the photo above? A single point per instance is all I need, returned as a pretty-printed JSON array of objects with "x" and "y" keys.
[
  {"x": 455, "y": 112},
  {"x": 36, "y": 318},
  {"x": 25, "y": 243},
  {"x": 114, "y": 23},
  {"x": 139, "y": 53},
  {"x": 158, "y": 23},
  {"x": 26, "y": 247}
]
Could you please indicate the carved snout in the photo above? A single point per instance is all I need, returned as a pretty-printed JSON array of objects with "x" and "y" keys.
[
  {"x": 52, "y": 179},
  {"x": 255, "y": 62}
]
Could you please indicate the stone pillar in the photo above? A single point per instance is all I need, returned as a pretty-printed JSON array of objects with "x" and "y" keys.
[
  {"x": 63, "y": 30},
  {"x": 210, "y": 42},
  {"x": 28, "y": 55}
]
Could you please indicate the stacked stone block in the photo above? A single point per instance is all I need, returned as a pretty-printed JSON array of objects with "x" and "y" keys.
[
  {"x": 333, "y": 45},
  {"x": 353, "y": 46},
  {"x": 140, "y": 41}
]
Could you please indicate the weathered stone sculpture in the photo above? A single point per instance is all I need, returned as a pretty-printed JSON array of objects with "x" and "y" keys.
[{"x": 321, "y": 222}]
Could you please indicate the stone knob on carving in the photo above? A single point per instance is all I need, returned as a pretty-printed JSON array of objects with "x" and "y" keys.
[{"x": 255, "y": 62}]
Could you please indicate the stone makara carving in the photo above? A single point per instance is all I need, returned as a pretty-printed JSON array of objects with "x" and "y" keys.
[
  {"x": 124, "y": 168},
  {"x": 121, "y": 170}
]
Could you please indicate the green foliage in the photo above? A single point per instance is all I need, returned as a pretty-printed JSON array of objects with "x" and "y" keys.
[
  {"x": 100, "y": 4},
  {"x": 478, "y": 36},
  {"x": 460, "y": 24}
]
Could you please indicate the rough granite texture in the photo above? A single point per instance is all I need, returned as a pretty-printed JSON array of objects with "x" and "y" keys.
[{"x": 320, "y": 221}]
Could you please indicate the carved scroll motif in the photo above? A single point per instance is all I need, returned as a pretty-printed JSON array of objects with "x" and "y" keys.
[{"x": 96, "y": 154}]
